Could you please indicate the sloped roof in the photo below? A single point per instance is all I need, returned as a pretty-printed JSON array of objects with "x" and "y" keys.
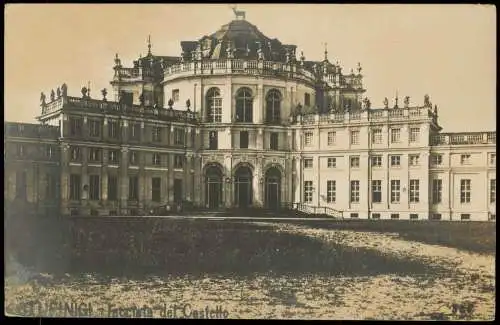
[{"x": 245, "y": 39}]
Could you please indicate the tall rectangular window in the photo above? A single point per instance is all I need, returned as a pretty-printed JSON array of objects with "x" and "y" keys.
[
  {"x": 308, "y": 162},
  {"x": 332, "y": 162},
  {"x": 331, "y": 191},
  {"x": 156, "y": 189},
  {"x": 94, "y": 154},
  {"x": 213, "y": 141},
  {"x": 133, "y": 188},
  {"x": 175, "y": 95},
  {"x": 112, "y": 188},
  {"x": 244, "y": 140},
  {"x": 465, "y": 159},
  {"x": 178, "y": 161},
  {"x": 114, "y": 157},
  {"x": 179, "y": 135},
  {"x": 437, "y": 190},
  {"x": 74, "y": 153},
  {"x": 355, "y": 162},
  {"x": 465, "y": 190},
  {"x": 436, "y": 159},
  {"x": 49, "y": 151},
  {"x": 135, "y": 131},
  {"x": 156, "y": 159},
  {"x": 308, "y": 191},
  {"x": 395, "y": 135},
  {"x": 156, "y": 134},
  {"x": 395, "y": 160},
  {"x": 134, "y": 159},
  {"x": 376, "y": 191},
  {"x": 414, "y": 134},
  {"x": 74, "y": 186},
  {"x": 51, "y": 186},
  {"x": 308, "y": 136},
  {"x": 354, "y": 191},
  {"x": 21, "y": 185},
  {"x": 377, "y": 161},
  {"x": 307, "y": 99},
  {"x": 355, "y": 137},
  {"x": 95, "y": 128},
  {"x": 377, "y": 136},
  {"x": 395, "y": 191},
  {"x": 113, "y": 127},
  {"x": 126, "y": 98},
  {"x": 493, "y": 158},
  {"x": 273, "y": 141},
  {"x": 214, "y": 107},
  {"x": 493, "y": 190},
  {"x": 94, "y": 187},
  {"x": 20, "y": 150},
  {"x": 414, "y": 160},
  {"x": 331, "y": 138},
  {"x": 75, "y": 126},
  {"x": 414, "y": 191}
]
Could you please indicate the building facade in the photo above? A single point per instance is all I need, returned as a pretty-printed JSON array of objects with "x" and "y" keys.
[{"x": 238, "y": 121}]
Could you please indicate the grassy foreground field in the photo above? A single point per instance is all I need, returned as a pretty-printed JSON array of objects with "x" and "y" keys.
[{"x": 201, "y": 269}]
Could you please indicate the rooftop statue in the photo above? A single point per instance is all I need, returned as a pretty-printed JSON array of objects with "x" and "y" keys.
[
  {"x": 427, "y": 102},
  {"x": 42, "y": 99},
  {"x": 240, "y": 14},
  {"x": 386, "y": 103},
  {"x": 64, "y": 90},
  {"x": 407, "y": 101},
  {"x": 58, "y": 92},
  {"x": 366, "y": 103},
  {"x": 52, "y": 95},
  {"x": 117, "y": 60}
]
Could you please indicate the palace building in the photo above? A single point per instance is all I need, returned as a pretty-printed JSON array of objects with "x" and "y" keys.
[{"x": 242, "y": 120}]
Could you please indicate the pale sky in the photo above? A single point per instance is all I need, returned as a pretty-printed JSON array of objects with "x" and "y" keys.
[{"x": 447, "y": 51}]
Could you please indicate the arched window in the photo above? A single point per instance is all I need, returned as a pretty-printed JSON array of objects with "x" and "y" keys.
[
  {"x": 214, "y": 105},
  {"x": 244, "y": 103},
  {"x": 273, "y": 106}
]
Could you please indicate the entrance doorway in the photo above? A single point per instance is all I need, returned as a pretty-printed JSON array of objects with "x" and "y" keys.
[
  {"x": 243, "y": 187},
  {"x": 213, "y": 187},
  {"x": 177, "y": 190},
  {"x": 273, "y": 188}
]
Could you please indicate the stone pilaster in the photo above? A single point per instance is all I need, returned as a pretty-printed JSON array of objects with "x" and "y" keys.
[
  {"x": 228, "y": 187},
  {"x": 298, "y": 177},
  {"x": 258, "y": 184},
  {"x": 188, "y": 177},
  {"x": 199, "y": 186},
  {"x": 123, "y": 180},
  {"x": 170, "y": 181},
  {"x": 64, "y": 181},
  {"x": 258, "y": 104}
]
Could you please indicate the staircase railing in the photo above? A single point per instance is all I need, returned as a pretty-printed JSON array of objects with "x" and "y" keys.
[{"x": 314, "y": 210}]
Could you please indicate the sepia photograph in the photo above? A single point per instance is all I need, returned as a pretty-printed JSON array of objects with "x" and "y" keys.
[{"x": 250, "y": 161}]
